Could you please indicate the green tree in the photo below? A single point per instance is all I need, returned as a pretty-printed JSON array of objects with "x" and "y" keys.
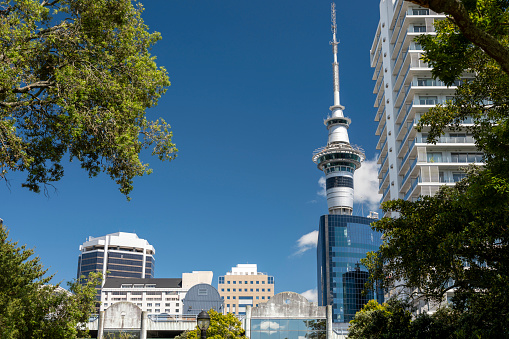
[
  {"x": 393, "y": 320},
  {"x": 482, "y": 23},
  {"x": 221, "y": 327},
  {"x": 459, "y": 239},
  {"x": 76, "y": 77},
  {"x": 29, "y": 307},
  {"x": 318, "y": 329}
]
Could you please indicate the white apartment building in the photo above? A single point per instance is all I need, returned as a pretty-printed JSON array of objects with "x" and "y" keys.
[
  {"x": 153, "y": 295},
  {"x": 404, "y": 90}
]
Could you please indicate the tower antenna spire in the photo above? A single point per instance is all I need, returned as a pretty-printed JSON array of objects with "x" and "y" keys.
[
  {"x": 338, "y": 160},
  {"x": 335, "y": 65}
]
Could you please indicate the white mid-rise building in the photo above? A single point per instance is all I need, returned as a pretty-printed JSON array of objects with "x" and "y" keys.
[
  {"x": 405, "y": 90},
  {"x": 153, "y": 295}
]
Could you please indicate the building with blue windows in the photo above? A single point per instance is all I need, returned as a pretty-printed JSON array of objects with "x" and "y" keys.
[
  {"x": 343, "y": 239},
  {"x": 117, "y": 255}
]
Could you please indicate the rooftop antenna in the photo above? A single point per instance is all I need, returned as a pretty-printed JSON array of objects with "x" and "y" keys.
[{"x": 335, "y": 65}]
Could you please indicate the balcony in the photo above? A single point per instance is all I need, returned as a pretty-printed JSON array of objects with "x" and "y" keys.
[
  {"x": 407, "y": 154},
  {"x": 449, "y": 140},
  {"x": 412, "y": 188},
  {"x": 386, "y": 194},
  {"x": 380, "y": 114},
  {"x": 412, "y": 166},
  {"x": 461, "y": 158},
  {"x": 383, "y": 180},
  {"x": 384, "y": 161}
]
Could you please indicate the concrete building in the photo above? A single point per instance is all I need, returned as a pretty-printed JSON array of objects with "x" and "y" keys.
[
  {"x": 288, "y": 315},
  {"x": 202, "y": 297},
  {"x": 343, "y": 239},
  {"x": 243, "y": 286},
  {"x": 123, "y": 255},
  {"x": 404, "y": 90},
  {"x": 153, "y": 295},
  {"x": 126, "y": 320}
]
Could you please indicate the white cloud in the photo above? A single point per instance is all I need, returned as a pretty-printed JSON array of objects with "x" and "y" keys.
[
  {"x": 366, "y": 185},
  {"x": 265, "y": 325},
  {"x": 306, "y": 242},
  {"x": 322, "y": 192},
  {"x": 311, "y": 295}
]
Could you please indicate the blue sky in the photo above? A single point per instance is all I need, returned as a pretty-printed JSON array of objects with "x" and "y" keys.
[{"x": 251, "y": 85}]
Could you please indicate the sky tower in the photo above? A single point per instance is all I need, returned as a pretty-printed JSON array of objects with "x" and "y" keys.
[
  {"x": 338, "y": 160},
  {"x": 343, "y": 238}
]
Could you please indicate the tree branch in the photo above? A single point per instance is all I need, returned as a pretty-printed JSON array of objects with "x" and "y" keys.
[
  {"x": 49, "y": 3},
  {"x": 476, "y": 35},
  {"x": 27, "y": 88}
]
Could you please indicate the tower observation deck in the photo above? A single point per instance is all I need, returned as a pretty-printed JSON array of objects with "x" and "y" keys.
[{"x": 338, "y": 160}]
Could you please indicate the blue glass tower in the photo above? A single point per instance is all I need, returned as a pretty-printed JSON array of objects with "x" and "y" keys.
[{"x": 343, "y": 239}]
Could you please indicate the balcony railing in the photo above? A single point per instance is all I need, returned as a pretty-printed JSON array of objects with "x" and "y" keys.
[
  {"x": 408, "y": 152},
  {"x": 412, "y": 187},
  {"x": 380, "y": 115},
  {"x": 412, "y": 165},
  {"x": 443, "y": 180},
  {"x": 383, "y": 163},
  {"x": 386, "y": 191},
  {"x": 408, "y": 109},
  {"x": 410, "y": 127},
  {"x": 468, "y": 159},
  {"x": 449, "y": 140},
  {"x": 383, "y": 179}
]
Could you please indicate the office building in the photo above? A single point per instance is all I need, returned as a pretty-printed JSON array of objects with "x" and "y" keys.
[
  {"x": 122, "y": 255},
  {"x": 405, "y": 90},
  {"x": 153, "y": 295},
  {"x": 343, "y": 239},
  {"x": 243, "y": 286}
]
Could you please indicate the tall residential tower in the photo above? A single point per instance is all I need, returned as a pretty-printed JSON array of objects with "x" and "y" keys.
[
  {"x": 343, "y": 239},
  {"x": 404, "y": 90}
]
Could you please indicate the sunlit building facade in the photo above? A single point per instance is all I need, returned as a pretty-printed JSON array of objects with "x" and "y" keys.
[
  {"x": 405, "y": 90},
  {"x": 117, "y": 255},
  {"x": 343, "y": 241},
  {"x": 244, "y": 286}
]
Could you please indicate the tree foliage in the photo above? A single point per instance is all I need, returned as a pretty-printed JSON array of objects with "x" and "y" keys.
[
  {"x": 76, "y": 77},
  {"x": 459, "y": 239},
  {"x": 221, "y": 327},
  {"x": 29, "y": 307},
  {"x": 481, "y": 22},
  {"x": 393, "y": 320}
]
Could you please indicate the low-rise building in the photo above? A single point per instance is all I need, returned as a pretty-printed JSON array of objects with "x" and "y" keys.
[{"x": 153, "y": 295}]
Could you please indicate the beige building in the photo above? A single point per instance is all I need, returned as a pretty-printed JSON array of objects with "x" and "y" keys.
[{"x": 244, "y": 286}]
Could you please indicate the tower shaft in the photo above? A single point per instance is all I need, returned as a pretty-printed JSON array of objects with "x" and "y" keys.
[{"x": 338, "y": 160}]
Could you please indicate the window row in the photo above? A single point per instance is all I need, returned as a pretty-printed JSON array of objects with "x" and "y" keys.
[
  {"x": 245, "y": 290},
  {"x": 234, "y": 297},
  {"x": 245, "y": 282}
]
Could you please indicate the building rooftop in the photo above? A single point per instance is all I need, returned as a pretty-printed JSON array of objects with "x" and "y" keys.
[{"x": 154, "y": 282}]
